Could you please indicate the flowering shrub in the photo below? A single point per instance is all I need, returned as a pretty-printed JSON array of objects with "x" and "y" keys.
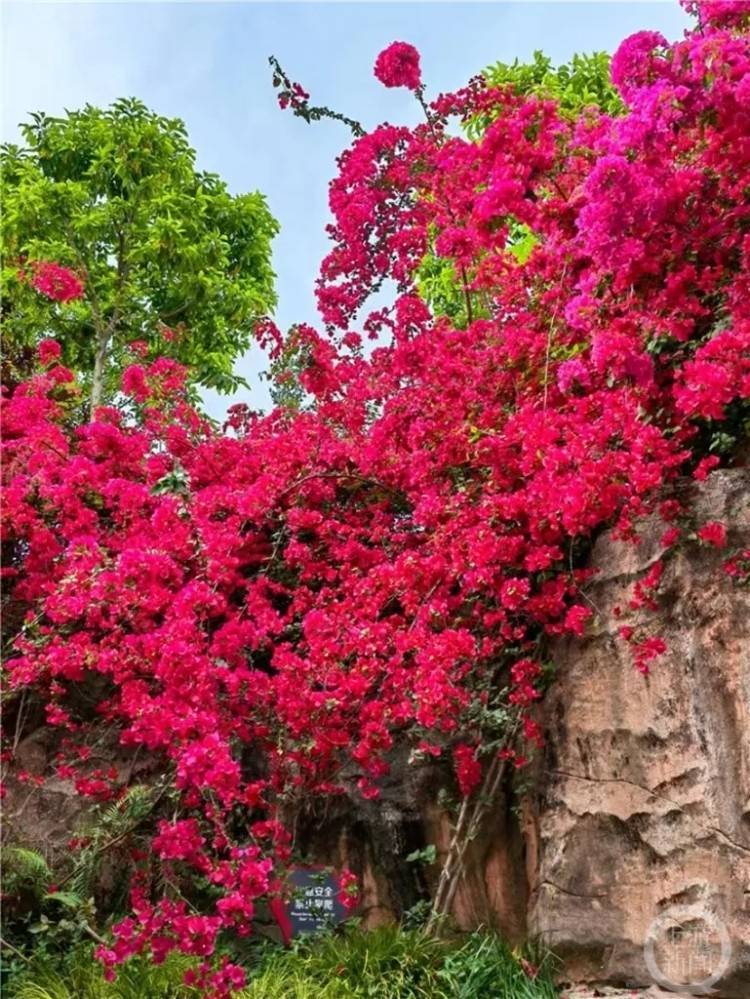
[{"x": 268, "y": 606}]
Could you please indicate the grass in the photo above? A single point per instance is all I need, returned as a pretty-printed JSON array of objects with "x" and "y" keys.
[
  {"x": 82, "y": 977},
  {"x": 484, "y": 967},
  {"x": 387, "y": 963}
]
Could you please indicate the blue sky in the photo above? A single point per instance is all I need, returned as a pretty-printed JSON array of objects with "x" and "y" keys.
[{"x": 207, "y": 64}]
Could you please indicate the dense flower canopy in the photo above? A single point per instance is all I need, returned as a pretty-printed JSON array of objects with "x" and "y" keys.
[{"x": 274, "y": 607}]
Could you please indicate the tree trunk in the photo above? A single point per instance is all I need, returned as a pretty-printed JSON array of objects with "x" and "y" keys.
[{"x": 97, "y": 380}]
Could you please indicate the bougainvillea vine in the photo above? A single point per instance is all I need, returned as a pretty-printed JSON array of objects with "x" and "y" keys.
[{"x": 272, "y": 609}]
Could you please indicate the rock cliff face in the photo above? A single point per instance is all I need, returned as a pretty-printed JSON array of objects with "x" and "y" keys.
[{"x": 644, "y": 803}]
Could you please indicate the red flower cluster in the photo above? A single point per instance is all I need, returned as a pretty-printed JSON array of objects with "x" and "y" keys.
[
  {"x": 49, "y": 352},
  {"x": 56, "y": 282},
  {"x": 348, "y": 893},
  {"x": 713, "y": 533},
  {"x": 398, "y": 66},
  {"x": 272, "y": 609},
  {"x": 468, "y": 768}
]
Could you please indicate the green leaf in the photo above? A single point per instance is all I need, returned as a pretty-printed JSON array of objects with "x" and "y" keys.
[
  {"x": 67, "y": 898},
  {"x": 427, "y": 855}
]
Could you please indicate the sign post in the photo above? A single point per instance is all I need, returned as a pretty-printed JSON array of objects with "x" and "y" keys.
[{"x": 314, "y": 905}]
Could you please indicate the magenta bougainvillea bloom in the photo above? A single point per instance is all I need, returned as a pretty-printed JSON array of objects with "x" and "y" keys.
[
  {"x": 468, "y": 768},
  {"x": 636, "y": 64},
  {"x": 398, "y": 66},
  {"x": 56, "y": 282},
  {"x": 348, "y": 889},
  {"x": 573, "y": 373},
  {"x": 48, "y": 352},
  {"x": 722, "y": 13},
  {"x": 713, "y": 533}
]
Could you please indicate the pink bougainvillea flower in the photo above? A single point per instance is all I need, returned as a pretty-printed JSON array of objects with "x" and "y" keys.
[
  {"x": 713, "y": 533},
  {"x": 55, "y": 282},
  {"x": 398, "y": 66},
  {"x": 49, "y": 352},
  {"x": 633, "y": 64},
  {"x": 573, "y": 373},
  {"x": 468, "y": 768},
  {"x": 348, "y": 893}
]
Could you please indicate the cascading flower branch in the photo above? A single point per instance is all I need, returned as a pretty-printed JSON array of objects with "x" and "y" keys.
[{"x": 273, "y": 611}]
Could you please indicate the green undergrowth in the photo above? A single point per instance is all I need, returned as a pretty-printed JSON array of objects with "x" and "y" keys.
[
  {"x": 81, "y": 976},
  {"x": 387, "y": 963}
]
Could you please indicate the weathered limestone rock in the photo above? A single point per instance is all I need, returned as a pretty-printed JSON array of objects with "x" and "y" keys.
[
  {"x": 493, "y": 892},
  {"x": 644, "y": 801},
  {"x": 41, "y": 818}
]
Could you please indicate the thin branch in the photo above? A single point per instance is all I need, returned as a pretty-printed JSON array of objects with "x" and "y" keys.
[
  {"x": 14, "y": 950},
  {"x": 550, "y": 334},
  {"x": 298, "y": 101}
]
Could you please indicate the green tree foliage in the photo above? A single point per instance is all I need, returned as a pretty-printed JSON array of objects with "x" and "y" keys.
[
  {"x": 167, "y": 255},
  {"x": 581, "y": 85}
]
